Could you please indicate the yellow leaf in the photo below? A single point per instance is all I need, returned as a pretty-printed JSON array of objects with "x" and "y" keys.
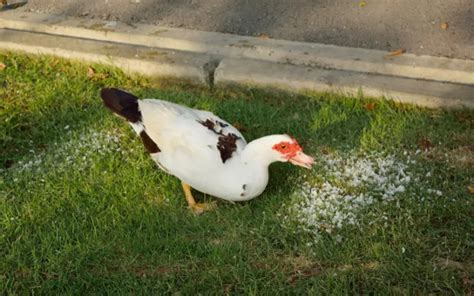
[
  {"x": 90, "y": 72},
  {"x": 264, "y": 36},
  {"x": 471, "y": 189},
  {"x": 362, "y": 3},
  {"x": 444, "y": 25},
  {"x": 370, "y": 106},
  {"x": 395, "y": 53}
]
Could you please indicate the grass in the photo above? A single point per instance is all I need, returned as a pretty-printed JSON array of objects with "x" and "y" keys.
[{"x": 84, "y": 209}]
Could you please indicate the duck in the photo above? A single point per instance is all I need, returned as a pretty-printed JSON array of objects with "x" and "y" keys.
[{"x": 203, "y": 151}]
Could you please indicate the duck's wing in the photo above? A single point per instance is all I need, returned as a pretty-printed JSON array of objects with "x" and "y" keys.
[{"x": 198, "y": 134}]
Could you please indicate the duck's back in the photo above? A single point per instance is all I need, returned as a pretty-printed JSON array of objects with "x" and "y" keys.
[{"x": 196, "y": 146}]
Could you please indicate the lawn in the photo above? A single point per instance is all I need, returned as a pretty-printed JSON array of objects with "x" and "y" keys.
[{"x": 83, "y": 209}]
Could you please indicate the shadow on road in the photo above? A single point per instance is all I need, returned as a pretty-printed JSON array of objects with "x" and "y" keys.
[{"x": 439, "y": 28}]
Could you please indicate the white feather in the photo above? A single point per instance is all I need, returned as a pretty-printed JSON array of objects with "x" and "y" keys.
[{"x": 189, "y": 151}]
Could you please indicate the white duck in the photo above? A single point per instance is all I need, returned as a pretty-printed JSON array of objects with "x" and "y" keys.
[{"x": 202, "y": 150}]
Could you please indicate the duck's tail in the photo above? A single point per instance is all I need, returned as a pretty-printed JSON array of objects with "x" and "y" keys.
[
  {"x": 126, "y": 105},
  {"x": 122, "y": 103}
]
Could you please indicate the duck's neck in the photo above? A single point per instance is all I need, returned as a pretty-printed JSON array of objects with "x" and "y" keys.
[
  {"x": 255, "y": 161},
  {"x": 257, "y": 152}
]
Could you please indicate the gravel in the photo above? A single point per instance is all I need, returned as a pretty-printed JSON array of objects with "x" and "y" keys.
[{"x": 432, "y": 27}]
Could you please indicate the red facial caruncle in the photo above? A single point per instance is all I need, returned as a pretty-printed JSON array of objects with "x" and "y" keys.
[{"x": 288, "y": 149}]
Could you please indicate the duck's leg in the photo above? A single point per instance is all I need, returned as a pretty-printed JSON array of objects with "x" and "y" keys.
[{"x": 197, "y": 208}]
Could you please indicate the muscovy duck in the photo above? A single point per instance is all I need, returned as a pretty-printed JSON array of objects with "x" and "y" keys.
[{"x": 202, "y": 150}]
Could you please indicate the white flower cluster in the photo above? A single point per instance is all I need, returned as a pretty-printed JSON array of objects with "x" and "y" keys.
[
  {"x": 384, "y": 176},
  {"x": 78, "y": 152},
  {"x": 335, "y": 195}
]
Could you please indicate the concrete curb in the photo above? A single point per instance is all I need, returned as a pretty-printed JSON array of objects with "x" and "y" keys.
[
  {"x": 130, "y": 58},
  {"x": 158, "y": 51},
  {"x": 234, "y": 46},
  {"x": 425, "y": 93}
]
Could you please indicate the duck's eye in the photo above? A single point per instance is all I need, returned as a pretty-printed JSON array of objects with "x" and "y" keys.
[{"x": 283, "y": 146}]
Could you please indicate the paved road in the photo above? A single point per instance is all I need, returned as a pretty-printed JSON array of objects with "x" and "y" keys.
[{"x": 416, "y": 26}]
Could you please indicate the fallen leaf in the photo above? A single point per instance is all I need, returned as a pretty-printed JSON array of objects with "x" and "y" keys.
[
  {"x": 425, "y": 144},
  {"x": 362, "y": 3},
  {"x": 312, "y": 271},
  {"x": 444, "y": 25},
  {"x": 370, "y": 106},
  {"x": 54, "y": 63},
  {"x": 90, "y": 72},
  {"x": 448, "y": 263},
  {"x": 325, "y": 151},
  {"x": 395, "y": 53},
  {"x": 471, "y": 189},
  {"x": 467, "y": 281},
  {"x": 2, "y": 66},
  {"x": 264, "y": 36}
]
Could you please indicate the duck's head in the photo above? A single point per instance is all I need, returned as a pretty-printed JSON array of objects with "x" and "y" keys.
[
  {"x": 281, "y": 148},
  {"x": 287, "y": 149}
]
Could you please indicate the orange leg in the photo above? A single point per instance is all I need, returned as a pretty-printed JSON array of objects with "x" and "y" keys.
[{"x": 197, "y": 208}]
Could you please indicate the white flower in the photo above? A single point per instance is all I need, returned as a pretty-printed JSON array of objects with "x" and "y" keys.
[{"x": 351, "y": 184}]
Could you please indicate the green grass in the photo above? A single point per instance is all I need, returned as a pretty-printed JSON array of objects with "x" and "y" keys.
[{"x": 84, "y": 210}]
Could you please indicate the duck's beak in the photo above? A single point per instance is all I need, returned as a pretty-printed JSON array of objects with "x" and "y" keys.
[{"x": 302, "y": 160}]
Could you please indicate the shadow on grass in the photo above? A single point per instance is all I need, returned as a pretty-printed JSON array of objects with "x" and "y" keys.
[{"x": 44, "y": 97}]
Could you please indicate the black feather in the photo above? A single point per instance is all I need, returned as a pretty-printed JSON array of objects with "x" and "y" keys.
[
  {"x": 150, "y": 145},
  {"x": 121, "y": 103},
  {"x": 227, "y": 146}
]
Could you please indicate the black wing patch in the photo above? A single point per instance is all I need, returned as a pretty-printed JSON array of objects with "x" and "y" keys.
[
  {"x": 150, "y": 146},
  {"x": 215, "y": 126},
  {"x": 227, "y": 146},
  {"x": 209, "y": 124},
  {"x": 226, "y": 143}
]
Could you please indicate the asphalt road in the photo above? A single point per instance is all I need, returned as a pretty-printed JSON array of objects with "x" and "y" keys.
[{"x": 432, "y": 27}]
